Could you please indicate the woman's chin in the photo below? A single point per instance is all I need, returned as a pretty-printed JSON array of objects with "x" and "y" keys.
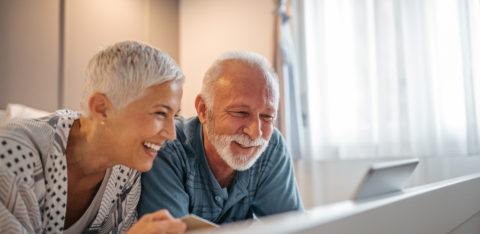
[{"x": 144, "y": 168}]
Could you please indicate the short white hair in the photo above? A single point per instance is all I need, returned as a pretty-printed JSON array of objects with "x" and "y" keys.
[
  {"x": 124, "y": 70},
  {"x": 248, "y": 58}
]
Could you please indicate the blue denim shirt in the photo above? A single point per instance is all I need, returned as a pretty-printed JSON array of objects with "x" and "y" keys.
[{"x": 181, "y": 181}]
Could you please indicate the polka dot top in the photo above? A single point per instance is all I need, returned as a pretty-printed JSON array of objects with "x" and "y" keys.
[{"x": 33, "y": 180}]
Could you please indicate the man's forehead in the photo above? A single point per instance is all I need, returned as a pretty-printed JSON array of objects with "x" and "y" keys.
[
  {"x": 238, "y": 66},
  {"x": 245, "y": 98},
  {"x": 241, "y": 74},
  {"x": 241, "y": 79}
]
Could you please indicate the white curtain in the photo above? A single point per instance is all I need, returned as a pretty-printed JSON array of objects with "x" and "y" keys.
[
  {"x": 290, "y": 120},
  {"x": 390, "y": 78}
]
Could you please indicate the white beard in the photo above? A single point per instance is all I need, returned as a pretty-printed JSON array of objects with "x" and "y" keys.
[{"x": 222, "y": 144}]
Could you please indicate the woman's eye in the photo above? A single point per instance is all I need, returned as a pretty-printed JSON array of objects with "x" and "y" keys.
[{"x": 160, "y": 113}]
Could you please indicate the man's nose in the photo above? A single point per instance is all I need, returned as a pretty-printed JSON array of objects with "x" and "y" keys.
[{"x": 254, "y": 128}]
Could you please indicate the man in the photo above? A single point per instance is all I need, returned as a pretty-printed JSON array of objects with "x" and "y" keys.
[{"x": 230, "y": 162}]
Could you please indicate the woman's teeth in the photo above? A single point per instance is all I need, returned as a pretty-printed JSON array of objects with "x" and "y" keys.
[{"x": 151, "y": 146}]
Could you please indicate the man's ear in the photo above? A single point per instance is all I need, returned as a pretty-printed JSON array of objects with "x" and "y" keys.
[
  {"x": 201, "y": 107},
  {"x": 99, "y": 106}
]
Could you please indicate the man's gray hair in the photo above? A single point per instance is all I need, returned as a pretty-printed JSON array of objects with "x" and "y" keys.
[
  {"x": 251, "y": 59},
  {"x": 125, "y": 70}
]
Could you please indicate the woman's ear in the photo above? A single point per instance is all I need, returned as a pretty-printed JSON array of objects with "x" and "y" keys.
[
  {"x": 201, "y": 107},
  {"x": 99, "y": 106}
]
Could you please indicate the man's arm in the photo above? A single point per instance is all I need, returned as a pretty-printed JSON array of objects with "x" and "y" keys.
[
  {"x": 163, "y": 186},
  {"x": 277, "y": 190}
]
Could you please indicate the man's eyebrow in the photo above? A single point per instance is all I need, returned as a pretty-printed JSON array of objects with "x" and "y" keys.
[
  {"x": 237, "y": 106},
  {"x": 271, "y": 109}
]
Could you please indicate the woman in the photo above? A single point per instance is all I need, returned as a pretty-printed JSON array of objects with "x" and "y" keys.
[{"x": 71, "y": 172}]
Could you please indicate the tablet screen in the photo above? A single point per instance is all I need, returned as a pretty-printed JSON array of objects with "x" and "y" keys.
[{"x": 385, "y": 177}]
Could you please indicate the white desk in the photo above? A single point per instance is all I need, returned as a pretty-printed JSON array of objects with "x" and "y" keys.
[
  {"x": 443, "y": 196},
  {"x": 449, "y": 206}
]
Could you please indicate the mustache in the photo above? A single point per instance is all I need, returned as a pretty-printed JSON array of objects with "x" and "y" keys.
[{"x": 245, "y": 140}]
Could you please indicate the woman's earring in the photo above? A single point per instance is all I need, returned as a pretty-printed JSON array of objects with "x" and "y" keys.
[{"x": 102, "y": 123}]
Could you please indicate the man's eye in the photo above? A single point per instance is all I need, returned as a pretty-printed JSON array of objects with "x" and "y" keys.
[
  {"x": 239, "y": 113},
  {"x": 267, "y": 118}
]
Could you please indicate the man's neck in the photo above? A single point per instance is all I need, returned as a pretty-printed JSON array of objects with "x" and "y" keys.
[{"x": 222, "y": 172}]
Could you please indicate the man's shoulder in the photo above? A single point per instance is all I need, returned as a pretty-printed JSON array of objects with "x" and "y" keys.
[
  {"x": 185, "y": 127},
  {"x": 276, "y": 142},
  {"x": 277, "y": 136}
]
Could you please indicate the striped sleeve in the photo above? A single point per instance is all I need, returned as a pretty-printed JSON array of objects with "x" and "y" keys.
[{"x": 19, "y": 212}]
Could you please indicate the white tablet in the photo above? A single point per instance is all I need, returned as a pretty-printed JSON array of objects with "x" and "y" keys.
[{"x": 385, "y": 177}]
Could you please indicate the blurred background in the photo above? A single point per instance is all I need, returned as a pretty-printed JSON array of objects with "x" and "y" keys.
[{"x": 47, "y": 44}]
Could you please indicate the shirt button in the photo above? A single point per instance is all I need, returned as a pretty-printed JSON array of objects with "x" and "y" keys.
[{"x": 218, "y": 198}]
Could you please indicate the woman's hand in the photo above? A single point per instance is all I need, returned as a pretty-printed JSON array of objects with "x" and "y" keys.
[{"x": 158, "y": 222}]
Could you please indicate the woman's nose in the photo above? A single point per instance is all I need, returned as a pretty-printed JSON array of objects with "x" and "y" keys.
[{"x": 168, "y": 130}]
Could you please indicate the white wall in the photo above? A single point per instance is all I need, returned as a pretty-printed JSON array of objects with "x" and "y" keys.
[
  {"x": 211, "y": 27},
  {"x": 192, "y": 32},
  {"x": 29, "y": 42},
  {"x": 91, "y": 25},
  {"x": 164, "y": 26}
]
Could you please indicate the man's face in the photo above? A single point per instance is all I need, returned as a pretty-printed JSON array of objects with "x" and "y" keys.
[{"x": 241, "y": 122}]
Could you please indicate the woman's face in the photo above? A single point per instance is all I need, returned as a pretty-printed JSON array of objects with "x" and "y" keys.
[{"x": 137, "y": 131}]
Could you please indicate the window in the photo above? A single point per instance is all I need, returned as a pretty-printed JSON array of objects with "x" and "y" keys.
[{"x": 391, "y": 78}]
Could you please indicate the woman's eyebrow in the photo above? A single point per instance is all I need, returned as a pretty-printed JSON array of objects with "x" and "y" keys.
[{"x": 164, "y": 105}]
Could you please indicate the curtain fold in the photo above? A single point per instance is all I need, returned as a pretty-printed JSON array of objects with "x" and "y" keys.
[
  {"x": 392, "y": 78},
  {"x": 290, "y": 118}
]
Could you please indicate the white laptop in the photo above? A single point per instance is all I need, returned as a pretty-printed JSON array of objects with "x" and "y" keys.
[{"x": 385, "y": 177}]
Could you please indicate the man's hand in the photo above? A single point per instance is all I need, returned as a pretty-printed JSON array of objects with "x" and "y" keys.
[{"x": 158, "y": 222}]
